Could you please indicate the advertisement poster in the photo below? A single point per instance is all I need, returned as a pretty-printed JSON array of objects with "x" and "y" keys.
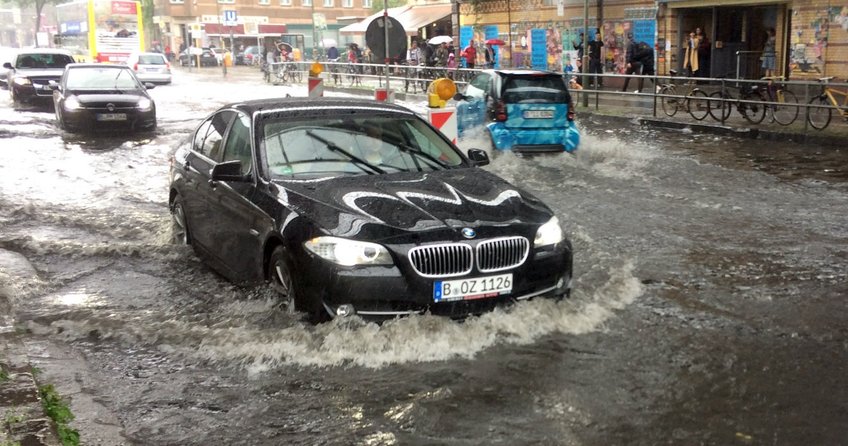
[
  {"x": 645, "y": 31},
  {"x": 538, "y": 49},
  {"x": 116, "y": 29}
]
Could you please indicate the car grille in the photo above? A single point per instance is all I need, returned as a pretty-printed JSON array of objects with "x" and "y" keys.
[
  {"x": 456, "y": 259},
  {"x": 502, "y": 253},
  {"x": 452, "y": 259}
]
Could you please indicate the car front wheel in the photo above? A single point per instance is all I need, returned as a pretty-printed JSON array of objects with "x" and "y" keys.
[{"x": 179, "y": 226}]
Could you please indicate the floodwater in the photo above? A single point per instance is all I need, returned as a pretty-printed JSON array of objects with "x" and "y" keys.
[{"x": 708, "y": 303}]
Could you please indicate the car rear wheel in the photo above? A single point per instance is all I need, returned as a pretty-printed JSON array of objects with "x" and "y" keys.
[{"x": 179, "y": 226}]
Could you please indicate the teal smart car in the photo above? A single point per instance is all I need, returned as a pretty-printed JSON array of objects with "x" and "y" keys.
[{"x": 523, "y": 110}]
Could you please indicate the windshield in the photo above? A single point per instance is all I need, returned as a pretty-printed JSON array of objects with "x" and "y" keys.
[
  {"x": 101, "y": 78},
  {"x": 545, "y": 88},
  {"x": 43, "y": 60},
  {"x": 353, "y": 146}
]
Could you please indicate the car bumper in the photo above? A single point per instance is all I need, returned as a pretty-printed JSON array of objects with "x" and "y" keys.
[
  {"x": 30, "y": 93},
  {"x": 383, "y": 292},
  {"x": 87, "y": 120},
  {"x": 159, "y": 78},
  {"x": 562, "y": 139}
]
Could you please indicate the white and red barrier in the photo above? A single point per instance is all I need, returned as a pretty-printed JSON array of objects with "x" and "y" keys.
[
  {"x": 316, "y": 87},
  {"x": 444, "y": 119}
]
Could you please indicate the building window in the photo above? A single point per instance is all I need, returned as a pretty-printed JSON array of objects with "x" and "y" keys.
[
  {"x": 306, "y": 3},
  {"x": 229, "y": 2},
  {"x": 328, "y": 3},
  {"x": 178, "y": 1},
  {"x": 285, "y": 2},
  {"x": 264, "y": 2},
  {"x": 366, "y": 3},
  {"x": 347, "y": 3}
]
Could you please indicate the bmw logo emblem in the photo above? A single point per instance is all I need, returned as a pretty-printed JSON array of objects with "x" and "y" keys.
[
  {"x": 469, "y": 233},
  {"x": 110, "y": 107}
]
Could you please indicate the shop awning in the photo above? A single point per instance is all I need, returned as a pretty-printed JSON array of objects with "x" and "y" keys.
[
  {"x": 674, "y": 4},
  {"x": 411, "y": 17},
  {"x": 217, "y": 29}
]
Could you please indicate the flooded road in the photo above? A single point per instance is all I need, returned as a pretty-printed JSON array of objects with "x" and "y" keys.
[{"x": 708, "y": 304}]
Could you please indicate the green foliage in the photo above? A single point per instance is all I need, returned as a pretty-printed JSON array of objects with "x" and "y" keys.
[
  {"x": 5, "y": 442},
  {"x": 12, "y": 417},
  {"x": 377, "y": 5},
  {"x": 4, "y": 375},
  {"x": 56, "y": 408}
]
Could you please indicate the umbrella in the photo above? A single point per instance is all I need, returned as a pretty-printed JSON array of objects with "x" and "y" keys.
[
  {"x": 495, "y": 42},
  {"x": 438, "y": 40},
  {"x": 329, "y": 43}
]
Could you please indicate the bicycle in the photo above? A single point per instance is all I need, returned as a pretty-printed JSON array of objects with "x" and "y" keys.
[
  {"x": 695, "y": 101},
  {"x": 721, "y": 103},
  {"x": 784, "y": 109},
  {"x": 825, "y": 103}
]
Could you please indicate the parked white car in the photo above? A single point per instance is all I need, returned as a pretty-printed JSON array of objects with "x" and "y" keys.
[{"x": 150, "y": 67}]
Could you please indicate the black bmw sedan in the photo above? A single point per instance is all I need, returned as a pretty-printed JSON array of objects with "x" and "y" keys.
[
  {"x": 102, "y": 97},
  {"x": 356, "y": 207}
]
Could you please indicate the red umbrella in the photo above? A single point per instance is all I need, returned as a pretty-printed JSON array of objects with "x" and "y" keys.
[{"x": 495, "y": 42}]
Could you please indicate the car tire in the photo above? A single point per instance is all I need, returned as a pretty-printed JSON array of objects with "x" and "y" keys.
[
  {"x": 283, "y": 281},
  {"x": 180, "y": 233}
]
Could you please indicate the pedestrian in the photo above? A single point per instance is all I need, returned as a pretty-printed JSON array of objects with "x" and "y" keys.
[
  {"x": 332, "y": 54},
  {"x": 704, "y": 49},
  {"x": 769, "y": 53},
  {"x": 645, "y": 57},
  {"x": 595, "y": 64},
  {"x": 470, "y": 55},
  {"x": 633, "y": 65},
  {"x": 690, "y": 57},
  {"x": 413, "y": 55},
  {"x": 579, "y": 47},
  {"x": 442, "y": 55},
  {"x": 490, "y": 56}
]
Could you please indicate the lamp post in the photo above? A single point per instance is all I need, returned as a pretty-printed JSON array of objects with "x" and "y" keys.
[{"x": 314, "y": 30}]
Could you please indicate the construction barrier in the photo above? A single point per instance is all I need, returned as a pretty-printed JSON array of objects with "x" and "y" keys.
[
  {"x": 316, "y": 87},
  {"x": 383, "y": 95},
  {"x": 444, "y": 119}
]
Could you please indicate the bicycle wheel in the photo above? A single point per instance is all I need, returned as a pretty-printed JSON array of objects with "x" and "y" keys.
[
  {"x": 720, "y": 105},
  {"x": 786, "y": 111},
  {"x": 819, "y": 118},
  {"x": 669, "y": 104},
  {"x": 697, "y": 104},
  {"x": 752, "y": 110}
]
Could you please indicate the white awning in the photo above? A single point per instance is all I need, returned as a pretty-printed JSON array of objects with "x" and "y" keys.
[{"x": 410, "y": 17}]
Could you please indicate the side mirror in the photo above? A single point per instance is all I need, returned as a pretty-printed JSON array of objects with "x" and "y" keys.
[
  {"x": 478, "y": 157},
  {"x": 8, "y": 66},
  {"x": 227, "y": 171},
  {"x": 149, "y": 86}
]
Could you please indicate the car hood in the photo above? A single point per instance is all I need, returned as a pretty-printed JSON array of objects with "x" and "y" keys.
[
  {"x": 47, "y": 72},
  {"x": 381, "y": 207},
  {"x": 104, "y": 96}
]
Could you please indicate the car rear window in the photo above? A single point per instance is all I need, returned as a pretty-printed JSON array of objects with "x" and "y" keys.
[
  {"x": 151, "y": 59},
  {"x": 535, "y": 88}
]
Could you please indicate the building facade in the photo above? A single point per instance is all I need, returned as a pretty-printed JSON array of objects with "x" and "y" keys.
[
  {"x": 305, "y": 23},
  {"x": 811, "y": 35}
]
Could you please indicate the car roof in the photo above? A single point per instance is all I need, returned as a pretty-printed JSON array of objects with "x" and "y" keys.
[
  {"x": 314, "y": 104},
  {"x": 520, "y": 72},
  {"x": 95, "y": 65},
  {"x": 147, "y": 53},
  {"x": 44, "y": 51}
]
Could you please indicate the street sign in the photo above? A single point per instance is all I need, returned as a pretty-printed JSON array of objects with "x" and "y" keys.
[{"x": 230, "y": 18}]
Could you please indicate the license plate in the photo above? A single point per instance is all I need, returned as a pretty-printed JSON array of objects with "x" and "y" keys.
[
  {"x": 111, "y": 116},
  {"x": 469, "y": 289},
  {"x": 151, "y": 70},
  {"x": 538, "y": 114}
]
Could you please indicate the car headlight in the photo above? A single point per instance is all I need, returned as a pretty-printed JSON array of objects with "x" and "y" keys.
[
  {"x": 72, "y": 103},
  {"x": 548, "y": 234},
  {"x": 22, "y": 81},
  {"x": 144, "y": 104},
  {"x": 349, "y": 252}
]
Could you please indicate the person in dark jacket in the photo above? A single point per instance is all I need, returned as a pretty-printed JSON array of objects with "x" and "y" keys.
[
  {"x": 595, "y": 61},
  {"x": 645, "y": 56},
  {"x": 633, "y": 65}
]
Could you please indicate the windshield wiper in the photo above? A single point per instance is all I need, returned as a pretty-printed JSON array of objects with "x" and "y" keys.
[
  {"x": 357, "y": 160},
  {"x": 120, "y": 72},
  {"x": 417, "y": 152}
]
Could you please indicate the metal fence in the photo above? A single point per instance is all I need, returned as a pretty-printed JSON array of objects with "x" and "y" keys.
[{"x": 802, "y": 104}]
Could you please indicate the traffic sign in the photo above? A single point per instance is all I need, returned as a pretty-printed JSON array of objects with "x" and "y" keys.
[{"x": 230, "y": 18}]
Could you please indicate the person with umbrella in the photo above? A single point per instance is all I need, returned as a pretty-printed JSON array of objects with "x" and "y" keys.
[
  {"x": 442, "y": 55},
  {"x": 490, "y": 55}
]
